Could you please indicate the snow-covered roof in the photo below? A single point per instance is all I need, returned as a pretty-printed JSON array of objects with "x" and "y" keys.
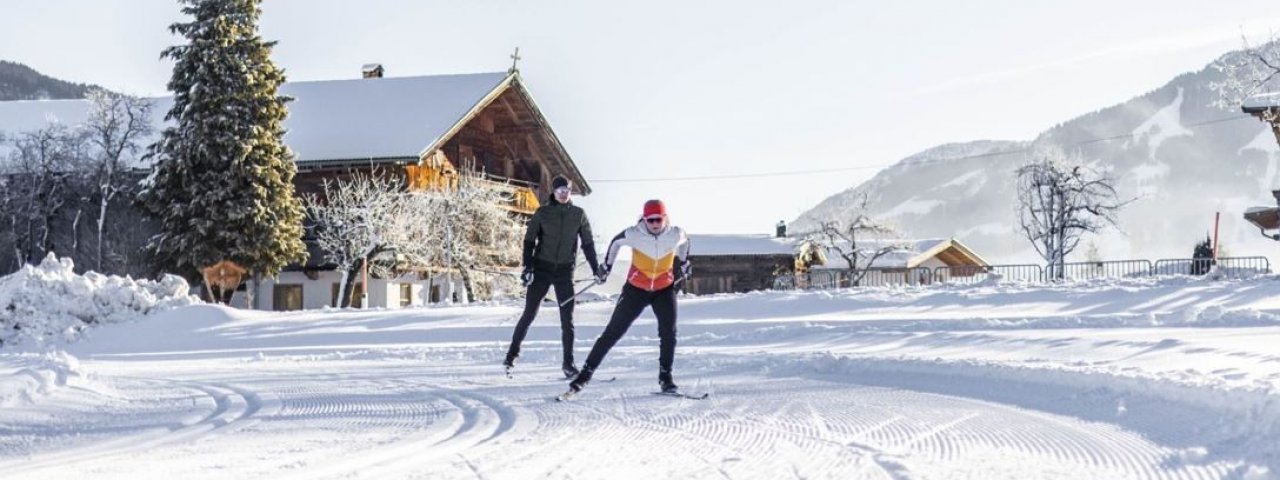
[
  {"x": 1261, "y": 102},
  {"x": 906, "y": 257},
  {"x": 912, "y": 254},
  {"x": 329, "y": 120},
  {"x": 747, "y": 244}
]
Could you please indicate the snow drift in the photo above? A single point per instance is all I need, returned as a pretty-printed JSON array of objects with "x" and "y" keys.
[{"x": 50, "y": 301}]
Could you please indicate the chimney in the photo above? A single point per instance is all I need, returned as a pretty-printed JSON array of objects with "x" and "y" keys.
[
  {"x": 371, "y": 70},
  {"x": 782, "y": 229}
]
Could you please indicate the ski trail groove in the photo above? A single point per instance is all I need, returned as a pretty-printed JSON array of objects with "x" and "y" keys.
[
  {"x": 233, "y": 407},
  {"x": 459, "y": 421}
]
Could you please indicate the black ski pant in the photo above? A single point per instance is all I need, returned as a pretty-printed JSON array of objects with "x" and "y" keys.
[
  {"x": 633, "y": 302},
  {"x": 543, "y": 280}
]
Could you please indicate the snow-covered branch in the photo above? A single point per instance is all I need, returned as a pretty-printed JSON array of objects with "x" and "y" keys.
[
  {"x": 352, "y": 222},
  {"x": 479, "y": 235},
  {"x": 858, "y": 239},
  {"x": 1059, "y": 200},
  {"x": 1251, "y": 72}
]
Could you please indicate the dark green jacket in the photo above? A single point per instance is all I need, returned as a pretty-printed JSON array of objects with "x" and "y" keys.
[{"x": 551, "y": 241}]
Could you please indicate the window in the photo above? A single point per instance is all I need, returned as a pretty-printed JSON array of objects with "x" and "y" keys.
[
  {"x": 406, "y": 294},
  {"x": 357, "y": 295},
  {"x": 287, "y": 297}
]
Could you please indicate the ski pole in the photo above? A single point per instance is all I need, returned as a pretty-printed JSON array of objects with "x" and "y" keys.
[{"x": 580, "y": 292}]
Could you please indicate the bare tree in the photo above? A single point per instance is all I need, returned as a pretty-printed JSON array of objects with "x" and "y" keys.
[
  {"x": 858, "y": 239},
  {"x": 1059, "y": 200},
  {"x": 42, "y": 173},
  {"x": 116, "y": 126},
  {"x": 351, "y": 224},
  {"x": 1248, "y": 73},
  {"x": 478, "y": 234}
]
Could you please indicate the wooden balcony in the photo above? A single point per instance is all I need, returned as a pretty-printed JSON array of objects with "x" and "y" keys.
[{"x": 517, "y": 196}]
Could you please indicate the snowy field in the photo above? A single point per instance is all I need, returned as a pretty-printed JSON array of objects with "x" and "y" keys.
[{"x": 1153, "y": 378}]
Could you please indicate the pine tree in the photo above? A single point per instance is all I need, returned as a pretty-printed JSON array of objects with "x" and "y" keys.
[
  {"x": 222, "y": 187},
  {"x": 1202, "y": 257}
]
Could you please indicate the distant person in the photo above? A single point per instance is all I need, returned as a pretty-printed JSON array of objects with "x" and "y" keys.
[
  {"x": 550, "y": 251},
  {"x": 659, "y": 262}
]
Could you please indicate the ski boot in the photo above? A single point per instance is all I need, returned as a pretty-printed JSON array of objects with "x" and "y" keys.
[
  {"x": 583, "y": 378},
  {"x": 666, "y": 384},
  {"x": 569, "y": 370},
  {"x": 508, "y": 365}
]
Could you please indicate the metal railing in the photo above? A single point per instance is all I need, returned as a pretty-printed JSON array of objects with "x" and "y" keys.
[
  {"x": 1107, "y": 269},
  {"x": 828, "y": 279},
  {"x": 1200, "y": 266},
  {"x": 1244, "y": 265},
  {"x": 979, "y": 273}
]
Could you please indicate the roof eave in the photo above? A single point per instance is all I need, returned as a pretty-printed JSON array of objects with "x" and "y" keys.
[{"x": 309, "y": 165}]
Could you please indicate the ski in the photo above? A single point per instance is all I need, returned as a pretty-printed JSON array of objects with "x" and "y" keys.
[
  {"x": 511, "y": 376},
  {"x": 566, "y": 396},
  {"x": 683, "y": 395},
  {"x": 598, "y": 380}
]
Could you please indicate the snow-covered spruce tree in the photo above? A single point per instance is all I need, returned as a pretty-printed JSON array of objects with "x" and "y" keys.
[
  {"x": 1059, "y": 200},
  {"x": 859, "y": 239},
  {"x": 1251, "y": 71},
  {"x": 222, "y": 186}
]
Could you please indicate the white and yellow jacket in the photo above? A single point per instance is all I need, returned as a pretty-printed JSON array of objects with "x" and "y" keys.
[{"x": 653, "y": 257}]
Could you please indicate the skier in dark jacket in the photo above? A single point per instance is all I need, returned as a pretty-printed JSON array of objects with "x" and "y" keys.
[
  {"x": 659, "y": 261},
  {"x": 550, "y": 251}
]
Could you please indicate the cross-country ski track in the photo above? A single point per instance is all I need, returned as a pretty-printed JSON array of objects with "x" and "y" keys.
[{"x": 892, "y": 385}]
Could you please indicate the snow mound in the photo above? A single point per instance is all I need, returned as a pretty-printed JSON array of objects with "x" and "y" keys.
[
  {"x": 50, "y": 301},
  {"x": 32, "y": 376}
]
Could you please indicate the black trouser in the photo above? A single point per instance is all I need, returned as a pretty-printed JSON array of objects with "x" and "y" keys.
[
  {"x": 543, "y": 280},
  {"x": 630, "y": 305}
]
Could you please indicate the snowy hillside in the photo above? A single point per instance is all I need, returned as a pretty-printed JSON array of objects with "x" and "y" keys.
[
  {"x": 1152, "y": 378},
  {"x": 1183, "y": 159}
]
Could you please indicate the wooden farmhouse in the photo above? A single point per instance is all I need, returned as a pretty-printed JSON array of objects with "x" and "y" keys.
[{"x": 423, "y": 128}]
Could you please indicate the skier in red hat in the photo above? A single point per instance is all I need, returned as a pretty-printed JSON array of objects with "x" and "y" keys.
[{"x": 659, "y": 262}]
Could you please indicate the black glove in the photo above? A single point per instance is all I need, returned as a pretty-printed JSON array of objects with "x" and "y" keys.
[
  {"x": 683, "y": 270},
  {"x": 602, "y": 274},
  {"x": 526, "y": 278}
]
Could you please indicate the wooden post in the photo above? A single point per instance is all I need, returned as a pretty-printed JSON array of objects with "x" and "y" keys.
[
  {"x": 1217, "y": 216},
  {"x": 364, "y": 289}
]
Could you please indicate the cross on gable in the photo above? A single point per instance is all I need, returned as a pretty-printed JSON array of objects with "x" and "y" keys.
[{"x": 515, "y": 59}]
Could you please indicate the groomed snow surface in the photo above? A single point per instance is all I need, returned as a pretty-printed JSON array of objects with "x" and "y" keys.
[{"x": 1152, "y": 378}]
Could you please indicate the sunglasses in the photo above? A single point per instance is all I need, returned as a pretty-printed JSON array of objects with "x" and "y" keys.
[
  {"x": 654, "y": 219},
  {"x": 562, "y": 191}
]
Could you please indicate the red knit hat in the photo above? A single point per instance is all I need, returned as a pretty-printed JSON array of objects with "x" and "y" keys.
[{"x": 654, "y": 207}]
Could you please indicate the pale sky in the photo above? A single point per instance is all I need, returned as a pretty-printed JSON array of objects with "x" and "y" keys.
[{"x": 667, "y": 89}]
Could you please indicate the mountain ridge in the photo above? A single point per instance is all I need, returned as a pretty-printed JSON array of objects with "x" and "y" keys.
[
  {"x": 1181, "y": 158},
  {"x": 21, "y": 82}
]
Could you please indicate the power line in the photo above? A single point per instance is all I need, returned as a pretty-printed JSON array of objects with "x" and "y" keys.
[{"x": 884, "y": 165}]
